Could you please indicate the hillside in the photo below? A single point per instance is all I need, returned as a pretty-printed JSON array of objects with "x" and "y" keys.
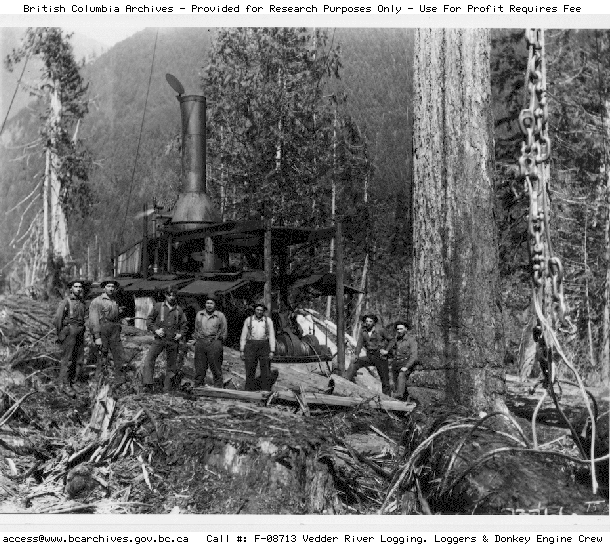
[
  {"x": 374, "y": 77},
  {"x": 85, "y": 48}
]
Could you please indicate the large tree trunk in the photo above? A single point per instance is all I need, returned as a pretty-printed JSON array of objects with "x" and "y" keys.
[
  {"x": 59, "y": 225},
  {"x": 604, "y": 356},
  {"x": 455, "y": 281}
]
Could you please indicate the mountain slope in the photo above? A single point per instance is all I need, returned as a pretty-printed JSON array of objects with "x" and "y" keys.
[
  {"x": 133, "y": 165},
  {"x": 85, "y": 49}
]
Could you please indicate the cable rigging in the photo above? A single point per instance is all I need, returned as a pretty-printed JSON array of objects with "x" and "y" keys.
[
  {"x": 546, "y": 269},
  {"x": 135, "y": 161},
  {"x": 25, "y": 63}
]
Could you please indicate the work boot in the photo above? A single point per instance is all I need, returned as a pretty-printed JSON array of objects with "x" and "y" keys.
[{"x": 401, "y": 389}]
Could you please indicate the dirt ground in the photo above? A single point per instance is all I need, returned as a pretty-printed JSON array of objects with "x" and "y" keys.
[{"x": 190, "y": 453}]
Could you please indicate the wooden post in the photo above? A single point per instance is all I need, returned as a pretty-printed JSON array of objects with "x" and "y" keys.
[
  {"x": 267, "y": 265},
  {"x": 340, "y": 303},
  {"x": 113, "y": 259},
  {"x": 98, "y": 269},
  {"x": 156, "y": 239},
  {"x": 169, "y": 253},
  {"x": 145, "y": 243},
  {"x": 283, "y": 283}
]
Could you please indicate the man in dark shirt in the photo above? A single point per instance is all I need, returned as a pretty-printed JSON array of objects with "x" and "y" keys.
[
  {"x": 402, "y": 352},
  {"x": 168, "y": 323},
  {"x": 69, "y": 324},
  {"x": 374, "y": 339}
]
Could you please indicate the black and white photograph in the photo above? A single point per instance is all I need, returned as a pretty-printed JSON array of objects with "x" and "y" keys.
[{"x": 267, "y": 270}]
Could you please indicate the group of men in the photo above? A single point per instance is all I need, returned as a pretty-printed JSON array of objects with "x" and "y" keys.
[
  {"x": 395, "y": 353},
  {"x": 70, "y": 322},
  {"x": 387, "y": 352},
  {"x": 168, "y": 323}
]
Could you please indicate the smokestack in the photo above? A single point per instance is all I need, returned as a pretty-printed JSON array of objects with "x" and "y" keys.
[{"x": 194, "y": 207}]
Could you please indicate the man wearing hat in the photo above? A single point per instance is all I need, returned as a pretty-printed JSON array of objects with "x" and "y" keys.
[
  {"x": 257, "y": 347},
  {"x": 402, "y": 351},
  {"x": 373, "y": 339},
  {"x": 69, "y": 323},
  {"x": 106, "y": 328},
  {"x": 210, "y": 333},
  {"x": 168, "y": 323}
]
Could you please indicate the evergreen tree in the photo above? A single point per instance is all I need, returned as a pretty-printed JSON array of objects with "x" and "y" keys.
[
  {"x": 61, "y": 92},
  {"x": 272, "y": 122}
]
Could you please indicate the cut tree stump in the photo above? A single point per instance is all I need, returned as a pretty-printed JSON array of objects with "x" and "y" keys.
[
  {"x": 240, "y": 458},
  {"x": 103, "y": 410}
]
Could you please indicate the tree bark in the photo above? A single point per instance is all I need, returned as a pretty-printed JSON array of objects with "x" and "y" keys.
[
  {"x": 604, "y": 355},
  {"x": 59, "y": 225},
  {"x": 455, "y": 268}
]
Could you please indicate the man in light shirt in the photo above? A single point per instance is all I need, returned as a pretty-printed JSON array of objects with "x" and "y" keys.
[
  {"x": 210, "y": 333},
  {"x": 105, "y": 328},
  {"x": 257, "y": 347}
]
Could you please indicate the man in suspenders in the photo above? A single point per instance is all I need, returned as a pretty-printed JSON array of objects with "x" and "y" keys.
[
  {"x": 374, "y": 339},
  {"x": 402, "y": 352},
  {"x": 105, "y": 328},
  {"x": 69, "y": 323},
  {"x": 168, "y": 323},
  {"x": 210, "y": 333},
  {"x": 257, "y": 347}
]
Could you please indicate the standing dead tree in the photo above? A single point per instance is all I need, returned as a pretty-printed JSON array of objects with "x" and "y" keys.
[{"x": 61, "y": 90}]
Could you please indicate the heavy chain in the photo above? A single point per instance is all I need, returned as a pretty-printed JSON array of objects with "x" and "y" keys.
[{"x": 535, "y": 155}]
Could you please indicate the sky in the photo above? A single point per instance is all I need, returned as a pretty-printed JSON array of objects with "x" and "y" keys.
[{"x": 108, "y": 35}]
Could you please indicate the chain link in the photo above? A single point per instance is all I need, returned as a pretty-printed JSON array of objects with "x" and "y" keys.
[{"x": 535, "y": 153}]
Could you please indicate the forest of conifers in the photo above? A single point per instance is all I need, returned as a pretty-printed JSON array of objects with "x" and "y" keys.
[{"x": 297, "y": 116}]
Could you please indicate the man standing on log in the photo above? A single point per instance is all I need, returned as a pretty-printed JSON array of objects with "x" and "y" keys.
[
  {"x": 168, "y": 323},
  {"x": 69, "y": 323},
  {"x": 106, "y": 329},
  {"x": 257, "y": 347},
  {"x": 402, "y": 351},
  {"x": 210, "y": 333},
  {"x": 373, "y": 339}
]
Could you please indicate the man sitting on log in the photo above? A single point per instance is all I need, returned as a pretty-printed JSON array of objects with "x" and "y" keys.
[
  {"x": 210, "y": 333},
  {"x": 257, "y": 347},
  {"x": 168, "y": 323},
  {"x": 69, "y": 323},
  {"x": 373, "y": 339},
  {"x": 402, "y": 351},
  {"x": 106, "y": 330}
]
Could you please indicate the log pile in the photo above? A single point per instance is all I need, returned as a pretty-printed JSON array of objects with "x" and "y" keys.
[
  {"x": 25, "y": 322},
  {"x": 26, "y": 330}
]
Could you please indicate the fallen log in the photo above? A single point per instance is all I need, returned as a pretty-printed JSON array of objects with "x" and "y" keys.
[
  {"x": 486, "y": 465},
  {"x": 292, "y": 377},
  {"x": 312, "y": 399}
]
